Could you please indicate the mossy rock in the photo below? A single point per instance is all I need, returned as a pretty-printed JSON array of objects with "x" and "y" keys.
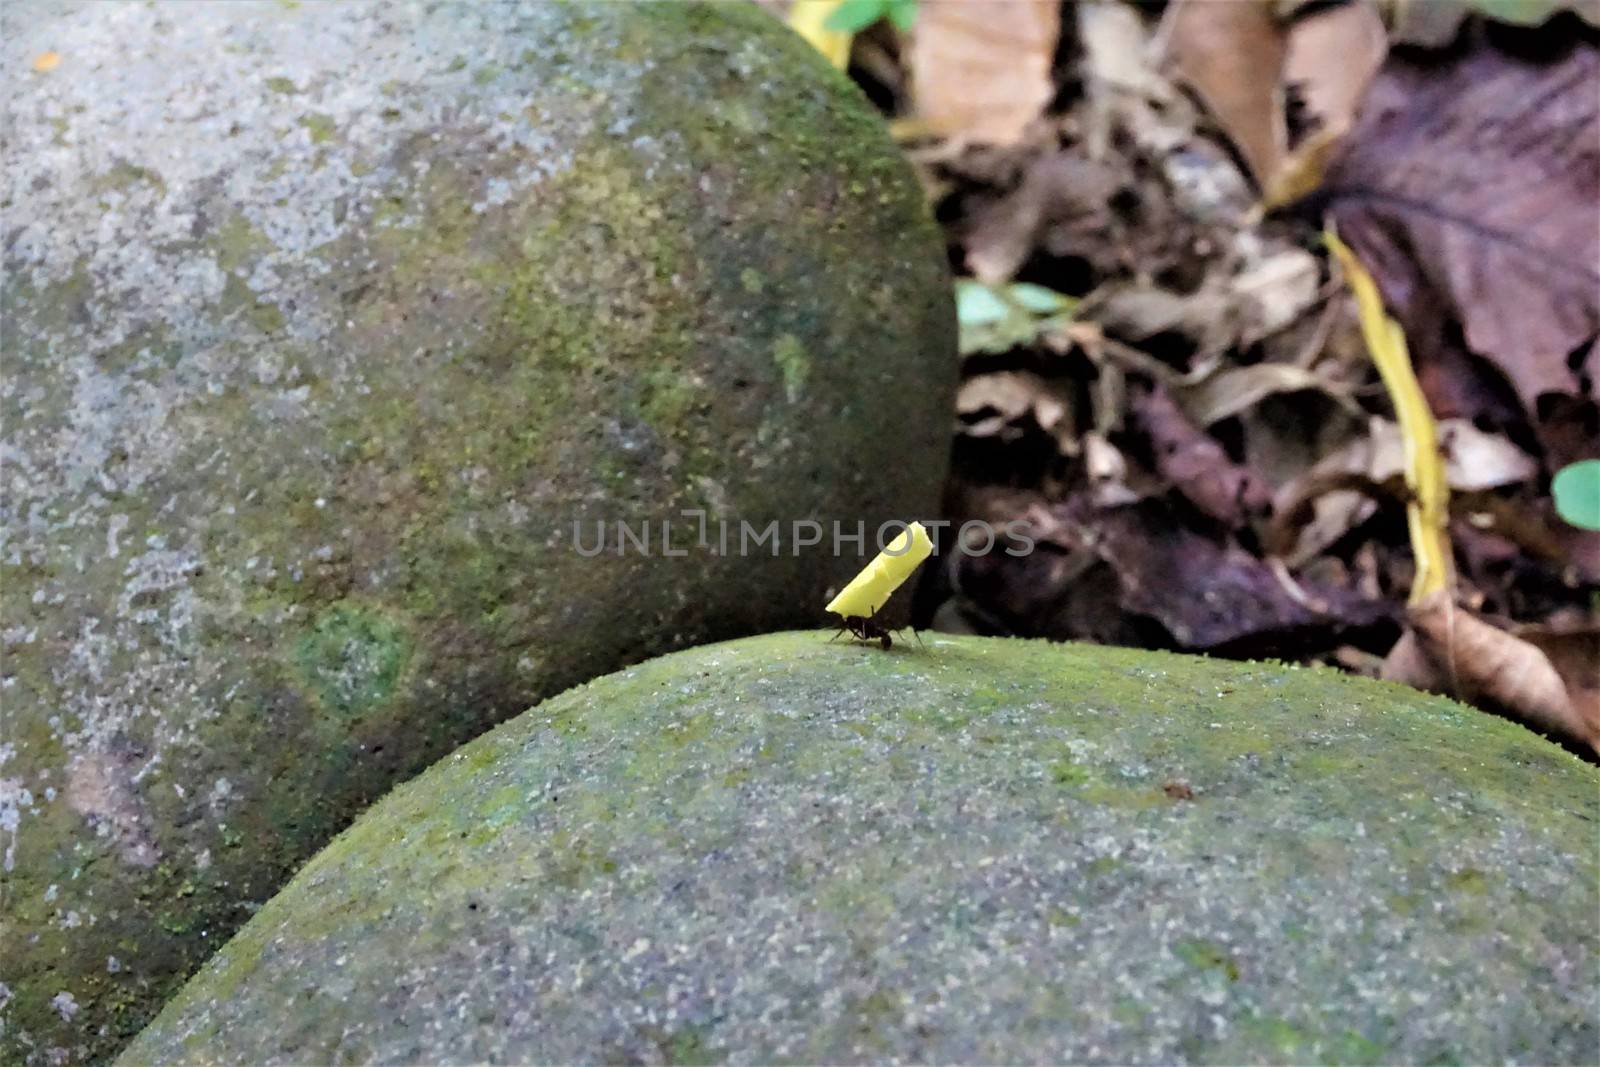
[
  {"x": 324, "y": 324},
  {"x": 982, "y": 851}
]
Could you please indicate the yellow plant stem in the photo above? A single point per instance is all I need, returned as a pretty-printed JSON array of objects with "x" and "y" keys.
[{"x": 1428, "y": 509}]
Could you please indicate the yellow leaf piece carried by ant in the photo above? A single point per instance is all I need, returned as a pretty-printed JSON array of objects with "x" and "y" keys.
[
  {"x": 1428, "y": 510},
  {"x": 808, "y": 18},
  {"x": 45, "y": 62},
  {"x": 872, "y": 588}
]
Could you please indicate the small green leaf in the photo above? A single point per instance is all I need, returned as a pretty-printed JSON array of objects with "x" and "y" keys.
[
  {"x": 1576, "y": 488},
  {"x": 1520, "y": 12},
  {"x": 977, "y": 304},
  {"x": 853, "y": 16},
  {"x": 902, "y": 13},
  {"x": 1038, "y": 299}
]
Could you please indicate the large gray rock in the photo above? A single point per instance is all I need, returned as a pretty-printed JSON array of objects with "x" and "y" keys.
[
  {"x": 987, "y": 851},
  {"x": 323, "y": 322}
]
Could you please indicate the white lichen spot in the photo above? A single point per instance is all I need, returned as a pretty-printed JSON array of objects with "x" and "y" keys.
[
  {"x": 14, "y": 800},
  {"x": 65, "y": 1004},
  {"x": 114, "y": 528},
  {"x": 221, "y": 790}
]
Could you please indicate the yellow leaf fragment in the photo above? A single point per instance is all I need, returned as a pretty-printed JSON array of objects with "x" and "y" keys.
[
  {"x": 808, "y": 18},
  {"x": 1428, "y": 510},
  {"x": 871, "y": 589},
  {"x": 45, "y": 62}
]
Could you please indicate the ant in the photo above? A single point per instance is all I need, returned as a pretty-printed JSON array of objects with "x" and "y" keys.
[{"x": 867, "y": 628}]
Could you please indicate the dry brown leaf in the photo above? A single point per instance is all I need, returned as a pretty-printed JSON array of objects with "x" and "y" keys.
[
  {"x": 1318, "y": 507},
  {"x": 1062, "y": 198},
  {"x": 1575, "y": 654},
  {"x": 1195, "y": 464},
  {"x": 1470, "y": 189},
  {"x": 1133, "y": 311},
  {"x": 1275, "y": 291},
  {"x": 1451, "y": 651},
  {"x": 1226, "y": 311},
  {"x": 1473, "y": 460},
  {"x": 1245, "y": 58},
  {"x": 1118, "y": 78},
  {"x": 1212, "y": 595},
  {"x": 1333, "y": 55},
  {"x": 1230, "y": 391},
  {"x": 1231, "y": 55},
  {"x": 981, "y": 71},
  {"x": 1006, "y": 397}
]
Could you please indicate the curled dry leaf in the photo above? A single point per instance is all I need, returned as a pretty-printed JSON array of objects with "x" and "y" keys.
[
  {"x": 1474, "y": 461},
  {"x": 1245, "y": 61},
  {"x": 1062, "y": 203},
  {"x": 1274, "y": 292},
  {"x": 1318, "y": 507},
  {"x": 1333, "y": 55},
  {"x": 1575, "y": 654},
  {"x": 1214, "y": 596},
  {"x": 1232, "y": 390},
  {"x": 1118, "y": 79},
  {"x": 1195, "y": 464},
  {"x": 1231, "y": 55},
  {"x": 994, "y": 402},
  {"x": 1449, "y": 650},
  {"x": 981, "y": 72},
  {"x": 1230, "y": 308},
  {"x": 1136, "y": 312}
]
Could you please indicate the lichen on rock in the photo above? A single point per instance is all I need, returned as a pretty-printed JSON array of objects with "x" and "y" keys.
[
  {"x": 985, "y": 851},
  {"x": 323, "y": 325}
]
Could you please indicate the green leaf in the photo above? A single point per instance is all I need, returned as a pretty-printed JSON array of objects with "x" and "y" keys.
[
  {"x": 902, "y": 13},
  {"x": 977, "y": 304},
  {"x": 1520, "y": 12},
  {"x": 852, "y": 16},
  {"x": 1577, "y": 491},
  {"x": 998, "y": 318},
  {"x": 1038, "y": 299}
]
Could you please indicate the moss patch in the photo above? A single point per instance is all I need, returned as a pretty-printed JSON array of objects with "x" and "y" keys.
[
  {"x": 931, "y": 855},
  {"x": 352, "y": 658},
  {"x": 309, "y": 397}
]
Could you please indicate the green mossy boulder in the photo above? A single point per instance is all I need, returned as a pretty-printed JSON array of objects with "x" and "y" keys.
[
  {"x": 323, "y": 324},
  {"x": 984, "y": 851}
]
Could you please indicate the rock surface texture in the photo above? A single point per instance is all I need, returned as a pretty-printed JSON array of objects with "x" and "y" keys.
[
  {"x": 323, "y": 323},
  {"x": 987, "y": 851}
]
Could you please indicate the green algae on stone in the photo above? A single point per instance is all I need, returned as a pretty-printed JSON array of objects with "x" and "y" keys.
[
  {"x": 323, "y": 325},
  {"x": 351, "y": 658},
  {"x": 784, "y": 850}
]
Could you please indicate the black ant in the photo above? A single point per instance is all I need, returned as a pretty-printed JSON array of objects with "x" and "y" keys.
[{"x": 867, "y": 628}]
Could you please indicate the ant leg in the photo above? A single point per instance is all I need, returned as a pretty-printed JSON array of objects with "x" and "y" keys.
[{"x": 918, "y": 636}]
